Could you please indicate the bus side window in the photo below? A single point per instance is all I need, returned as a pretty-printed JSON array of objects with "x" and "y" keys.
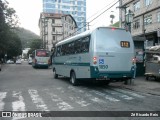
[
  {"x": 85, "y": 44},
  {"x": 58, "y": 51},
  {"x": 77, "y": 46},
  {"x": 71, "y": 48}
]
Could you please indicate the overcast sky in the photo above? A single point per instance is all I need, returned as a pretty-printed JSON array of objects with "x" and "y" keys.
[{"x": 29, "y": 11}]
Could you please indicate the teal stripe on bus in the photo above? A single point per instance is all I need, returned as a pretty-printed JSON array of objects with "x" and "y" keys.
[{"x": 72, "y": 64}]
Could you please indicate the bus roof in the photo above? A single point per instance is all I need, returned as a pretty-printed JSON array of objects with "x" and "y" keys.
[{"x": 88, "y": 32}]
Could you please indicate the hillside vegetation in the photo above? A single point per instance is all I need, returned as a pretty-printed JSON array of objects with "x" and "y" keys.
[{"x": 26, "y": 37}]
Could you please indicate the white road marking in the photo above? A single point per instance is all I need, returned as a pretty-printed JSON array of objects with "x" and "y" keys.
[
  {"x": 19, "y": 104},
  {"x": 2, "y": 96},
  {"x": 108, "y": 97},
  {"x": 126, "y": 97},
  {"x": 90, "y": 96},
  {"x": 38, "y": 100},
  {"x": 128, "y": 92},
  {"x": 80, "y": 101},
  {"x": 62, "y": 105}
]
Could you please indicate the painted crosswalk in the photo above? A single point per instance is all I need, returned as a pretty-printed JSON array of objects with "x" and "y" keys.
[
  {"x": 2, "y": 96},
  {"x": 65, "y": 99}
]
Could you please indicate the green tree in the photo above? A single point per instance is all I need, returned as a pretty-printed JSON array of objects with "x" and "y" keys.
[
  {"x": 9, "y": 41},
  {"x": 115, "y": 24},
  {"x": 35, "y": 44},
  {"x": 14, "y": 45}
]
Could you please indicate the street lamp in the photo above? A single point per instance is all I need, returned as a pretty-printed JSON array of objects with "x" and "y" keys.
[{"x": 129, "y": 19}]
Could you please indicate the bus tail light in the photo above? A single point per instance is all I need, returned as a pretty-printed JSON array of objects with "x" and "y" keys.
[
  {"x": 134, "y": 61},
  {"x": 94, "y": 60},
  {"x": 35, "y": 60},
  {"x": 49, "y": 62}
]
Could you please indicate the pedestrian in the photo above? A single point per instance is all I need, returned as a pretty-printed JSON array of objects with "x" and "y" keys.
[{"x": 134, "y": 72}]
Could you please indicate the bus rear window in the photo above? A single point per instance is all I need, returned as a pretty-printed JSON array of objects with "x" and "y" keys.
[
  {"x": 42, "y": 53},
  {"x": 125, "y": 44}
]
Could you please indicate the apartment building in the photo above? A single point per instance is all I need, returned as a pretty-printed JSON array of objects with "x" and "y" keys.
[
  {"x": 76, "y": 8},
  {"x": 146, "y": 19},
  {"x": 55, "y": 27},
  {"x": 144, "y": 25}
]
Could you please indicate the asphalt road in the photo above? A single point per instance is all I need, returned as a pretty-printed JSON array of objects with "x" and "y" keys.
[{"x": 23, "y": 88}]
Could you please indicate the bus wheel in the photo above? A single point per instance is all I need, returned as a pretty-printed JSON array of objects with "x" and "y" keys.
[
  {"x": 127, "y": 81},
  {"x": 55, "y": 76},
  {"x": 73, "y": 79}
]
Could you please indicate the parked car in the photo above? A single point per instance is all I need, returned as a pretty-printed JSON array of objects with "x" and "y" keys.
[
  {"x": 29, "y": 60},
  {"x": 18, "y": 61},
  {"x": 10, "y": 62}
]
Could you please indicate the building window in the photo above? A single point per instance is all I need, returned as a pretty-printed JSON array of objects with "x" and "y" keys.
[
  {"x": 148, "y": 2},
  {"x": 54, "y": 38},
  {"x": 136, "y": 24},
  {"x": 136, "y": 6},
  {"x": 53, "y": 29},
  {"x": 158, "y": 16},
  {"x": 53, "y": 20},
  {"x": 148, "y": 20}
]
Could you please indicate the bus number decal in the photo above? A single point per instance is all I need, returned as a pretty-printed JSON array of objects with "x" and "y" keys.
[{"x": 103, "y": 66}]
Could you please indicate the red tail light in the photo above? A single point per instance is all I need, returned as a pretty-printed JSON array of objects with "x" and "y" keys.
[
  {"x": 94, "y": 60},
  {"x": 113, "y": 28},
  {"x": 49, "y": 61},
  {"x": 134, "y": 61},
  {"x": 35, "y": 60}
]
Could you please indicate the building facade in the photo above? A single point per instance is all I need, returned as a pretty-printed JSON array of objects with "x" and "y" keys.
[
  {"x": 146, "y": 19},
  {"x": 56, "y": 27},
  {"x": 144, "y": 25},
  {"x": 76, "y": 8}
]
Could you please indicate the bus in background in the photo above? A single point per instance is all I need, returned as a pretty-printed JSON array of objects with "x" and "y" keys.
[
  {"x": 41, "y": 58},
  {"x": 101, "y": 54}
]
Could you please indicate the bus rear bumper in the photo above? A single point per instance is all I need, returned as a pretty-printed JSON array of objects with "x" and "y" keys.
[
  {"x": 41, "y": 65},
  {"x": 95, "y": 73}
]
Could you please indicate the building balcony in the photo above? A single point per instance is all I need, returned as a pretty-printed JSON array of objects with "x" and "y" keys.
[
  {"x": 57, "y": 24},
  {"x": 57, "y": 33}
]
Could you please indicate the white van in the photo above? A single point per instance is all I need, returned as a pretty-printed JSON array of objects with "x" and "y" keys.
[{"x": 102, "y": 54}]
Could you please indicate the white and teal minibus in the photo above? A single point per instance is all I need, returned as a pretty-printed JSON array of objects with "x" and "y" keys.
[
  {"x": 101, "y": 54},
  {"x": 40, "y": 58}
]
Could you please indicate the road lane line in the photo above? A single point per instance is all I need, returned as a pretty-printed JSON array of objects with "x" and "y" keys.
[
  {"x": 19, "y": 104},
  {"x": 2, "y": 96},
  {"x": 128, "y": 92},
  {"x": 126, "y": 97},
  {"x": 88, "y": 95},
  {"x": 108, "y": 97},
  {"x": 38, "y": 100},
  {"x": 62, "y": 105},
  {"x": 80, "y": 101}
]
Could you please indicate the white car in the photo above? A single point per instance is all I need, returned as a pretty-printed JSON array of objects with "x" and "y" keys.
[
  {"x": 29, "y": 60},
  {"x": 10, "y": 62},
  {"x": 18, "y": 61}
]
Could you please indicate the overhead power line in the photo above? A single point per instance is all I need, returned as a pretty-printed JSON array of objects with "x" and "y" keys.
[
  {"x": 104, "y": 11},
  {"x": 94, "y": 18}
]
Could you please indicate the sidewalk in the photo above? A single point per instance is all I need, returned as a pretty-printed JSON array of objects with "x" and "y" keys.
[{"x": 142, "y": 85}]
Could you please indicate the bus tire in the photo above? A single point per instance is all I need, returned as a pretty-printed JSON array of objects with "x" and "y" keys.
[
  {"x": 55, "y": 76},
  {"x": 73, "y": 79},
  {"x": 126, "y": 82},
  {"x": 147, "y": 78}
]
